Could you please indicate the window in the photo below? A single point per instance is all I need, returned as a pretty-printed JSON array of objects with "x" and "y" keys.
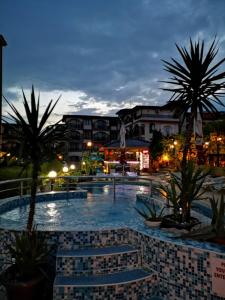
[
  {"x": 167, "y": 130},
  {"x": 100, "y": 136},
  {"x": 87, "y": 134},
  {"x": 101, "y": 124},
  {"x": 75, "y": 124},
  {"x": 87, "y": 122},
  {"x": 75, "y": 147},
  {"x": 151, "y": 127},
  {"x": 75, "y": 135}
]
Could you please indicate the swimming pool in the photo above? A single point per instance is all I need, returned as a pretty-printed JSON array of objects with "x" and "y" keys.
[{"x": 99, "y": 210}]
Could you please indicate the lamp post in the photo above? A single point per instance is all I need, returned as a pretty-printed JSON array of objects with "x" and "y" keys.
[
  {"x": 89, "y": 146},
  {"x": 2, "y": 44},
  {"x": 52, "y": 175}
]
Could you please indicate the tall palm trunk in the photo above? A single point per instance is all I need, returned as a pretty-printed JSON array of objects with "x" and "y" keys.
[{"x": 34, "y": 184}]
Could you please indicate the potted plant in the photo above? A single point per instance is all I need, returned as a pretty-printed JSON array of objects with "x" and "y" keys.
[
  {"x": 37, "y": 142},
  {"x": 150, "y": 212},
  {"x": 25, "y": 277},
  {"x": 179, "y": 191}
]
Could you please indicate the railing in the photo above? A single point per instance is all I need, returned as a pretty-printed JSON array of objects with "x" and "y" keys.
[{"x": 20, "y": 187}]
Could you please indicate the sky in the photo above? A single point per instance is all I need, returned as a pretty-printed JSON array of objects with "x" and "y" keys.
[{"x": 99, "y": 55}]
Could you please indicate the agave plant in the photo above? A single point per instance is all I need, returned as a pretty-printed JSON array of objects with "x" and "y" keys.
[
  {"x": 150, "y": 211},
  {"x": 196, "y": 85},
  {"x": 35, "y": 138}
]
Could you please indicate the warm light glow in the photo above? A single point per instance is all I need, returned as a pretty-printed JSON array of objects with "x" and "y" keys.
[
  {"x": 206, "y": 143},
  {"x": 219, "y": 139},
  {"x": 89, "y": 144},
  {"x": 83, "y": 163},
  {"x": 52, "y": 174},
  {"x": 72, "y": 167},
  {"x": 8, "y": 154},
  {"x": 65, "y": 169},
  {"x": 175, "y": 142},
  {"x": 171, "y": 146},
  {"x": 165, "y": 157},
  {"x": 60, "y": 156}
]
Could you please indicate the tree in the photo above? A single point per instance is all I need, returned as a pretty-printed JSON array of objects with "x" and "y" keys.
[
  {"x": 197, "y": 87},
  {"x": 36, "y": 140},
  {"x": 156, "y": 146}
]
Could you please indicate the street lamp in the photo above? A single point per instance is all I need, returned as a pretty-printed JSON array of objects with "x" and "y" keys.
[
  {"x": 52, "y": 175},
  {"x": 2, "y": 44}
]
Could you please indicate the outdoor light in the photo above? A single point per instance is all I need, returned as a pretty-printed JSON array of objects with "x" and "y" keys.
[
  {"x": 65, "y": 169},
  {"x": 72, "y": 167},
  {"x": 89, "y": 144},
  {"x": 52, "y": 175},
  {"x": 175, "y": 143},
  {"x": 83, "y": 163},
  {"x": 8, "y": 154}
]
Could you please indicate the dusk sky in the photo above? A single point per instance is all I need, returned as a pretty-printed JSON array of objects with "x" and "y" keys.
[{"x": 99, "y": 55}]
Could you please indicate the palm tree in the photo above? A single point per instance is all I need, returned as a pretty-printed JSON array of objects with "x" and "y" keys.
[
  {"x": 197, "y": 87},
  {"x": 36, "y": 139}
]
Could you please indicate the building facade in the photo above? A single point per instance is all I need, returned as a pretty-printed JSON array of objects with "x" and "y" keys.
[
  {"x": 82, "y": 129},
  {"x": 140, "y": 121}
]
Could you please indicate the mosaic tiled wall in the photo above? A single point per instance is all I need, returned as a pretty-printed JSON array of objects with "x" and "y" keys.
[
  {"x": 184, "y": 271},
  {"x": 131, "y": 291},
  {"x": 88, "y": 265}
]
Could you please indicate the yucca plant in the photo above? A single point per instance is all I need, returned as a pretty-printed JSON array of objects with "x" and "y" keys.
[
  {"x": 218, "y": 215},
  {"x": 171, "y": 193},
  {"x": 196, "y": 84},
  {"x": 197, "y": 87},
  {"x": 189, "y": 184},
  {"x": 29, "y": 253},
  {"x": 37, "y": 140}
]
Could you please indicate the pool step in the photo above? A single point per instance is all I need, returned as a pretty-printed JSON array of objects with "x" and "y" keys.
[
  {"x": 89, "y": 239},
  {"x": 131, "y": 284},
  {"x": 104, "y": 260}
]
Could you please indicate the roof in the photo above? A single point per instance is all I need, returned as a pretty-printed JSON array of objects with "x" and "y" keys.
[
  {"x": 88, "y": 117},
  {"x": 130, "y": 143},
  {"x": 137, "y": 107}
]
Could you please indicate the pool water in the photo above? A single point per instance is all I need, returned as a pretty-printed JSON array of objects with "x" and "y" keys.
[{"x": 99, "y": 210}]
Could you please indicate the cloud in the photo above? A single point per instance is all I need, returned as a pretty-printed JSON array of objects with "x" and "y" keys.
[{"x": 99, "y": 53}]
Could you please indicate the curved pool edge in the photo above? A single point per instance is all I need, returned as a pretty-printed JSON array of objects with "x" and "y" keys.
[{"x": 158, "y": 234}]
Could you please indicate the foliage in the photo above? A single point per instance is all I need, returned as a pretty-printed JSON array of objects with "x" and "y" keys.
[
  {"x": 150, "y": 211},
  {"x": 215, "y": 126},
  {"x": 185, "y": 187},
  {"x": 29, "y": 253},
  {"x": 218, "y": 214},
  {"x": 37, "y": 140},
  {"x": 196, "y": 85},
  {"x": 217, "y": 228},
  {"x": 170, "y": 192},
  {"x": 156, "y": 145}
]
